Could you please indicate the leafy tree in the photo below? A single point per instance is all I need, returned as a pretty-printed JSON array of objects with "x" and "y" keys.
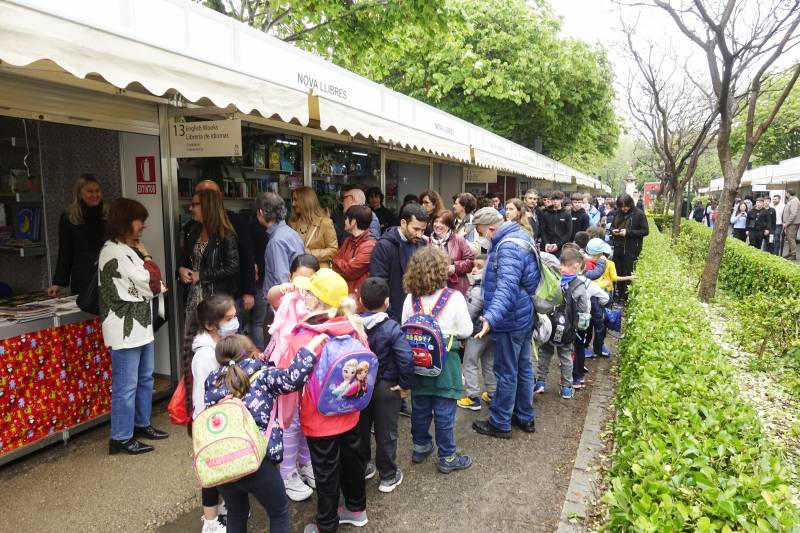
[{"x": 496, "y": 63}]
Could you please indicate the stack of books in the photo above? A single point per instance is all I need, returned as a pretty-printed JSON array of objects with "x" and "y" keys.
[{"x": 26, "y": 312}]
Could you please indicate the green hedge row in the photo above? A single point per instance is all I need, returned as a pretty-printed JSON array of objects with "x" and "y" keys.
[
  {"x": 744, "y": 271},
  {"x": 689, "y": 454}
]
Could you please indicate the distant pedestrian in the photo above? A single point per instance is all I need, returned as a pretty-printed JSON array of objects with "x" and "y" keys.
[
  {"x": 739, "y": 222},
  {"x": 791, "y": 221}
]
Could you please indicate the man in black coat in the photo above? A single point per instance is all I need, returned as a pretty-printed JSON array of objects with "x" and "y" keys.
[
  {"x": 580, "y": 218},
  {"x": 393, "y": 250},
  {"x": 386, "y": 217},
  {"x": 760, "y": 223},
  {"x": 556, "y": 225}
]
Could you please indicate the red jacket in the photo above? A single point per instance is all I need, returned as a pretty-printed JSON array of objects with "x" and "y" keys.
[
  {"x": 463, "y": 258},
  {"x": 352, "y": 261}
]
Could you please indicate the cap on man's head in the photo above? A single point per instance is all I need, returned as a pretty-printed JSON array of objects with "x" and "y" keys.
[{"x": 486, "y": 216}]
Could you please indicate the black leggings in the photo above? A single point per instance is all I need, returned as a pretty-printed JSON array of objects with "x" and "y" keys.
[
  {"x": 210, "y": 496},
  {"x": 266, "y": 485}
]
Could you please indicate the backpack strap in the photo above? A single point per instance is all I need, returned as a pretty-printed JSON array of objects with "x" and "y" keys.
[
  {"x": 416, "y": 305},
  {"x": 441, "y": 302}
]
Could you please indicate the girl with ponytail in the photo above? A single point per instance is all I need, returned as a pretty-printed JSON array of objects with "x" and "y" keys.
[
  {"x": 212, "y": 319},
  {"x": 243, "y": 374}
]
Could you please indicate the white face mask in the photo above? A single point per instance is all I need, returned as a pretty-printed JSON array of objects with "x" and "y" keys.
[
  {"x": 485, "y": 243},
  {"x": 229, "y": 328}
]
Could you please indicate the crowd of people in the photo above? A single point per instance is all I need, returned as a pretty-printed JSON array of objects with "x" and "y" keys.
[
  {"x": 266, "y": 297},
  {"x": 768, "y": 223}
]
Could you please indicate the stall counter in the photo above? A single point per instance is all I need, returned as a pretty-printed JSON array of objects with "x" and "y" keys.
[{"x": 55, "y": 380}]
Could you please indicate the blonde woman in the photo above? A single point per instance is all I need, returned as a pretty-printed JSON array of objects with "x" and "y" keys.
[
  {"x": 81, "y": 234},
  {"x": 515, "y": 212},
  {"x": 313, "y": 225}
]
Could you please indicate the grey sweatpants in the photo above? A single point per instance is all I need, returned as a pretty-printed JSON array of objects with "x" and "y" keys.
[
  {"x": 546, "y": 352},
  {"x": 479, "y": 359}
]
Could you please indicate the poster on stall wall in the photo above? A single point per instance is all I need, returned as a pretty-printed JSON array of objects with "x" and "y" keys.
[{"x": 141, "y": 181}]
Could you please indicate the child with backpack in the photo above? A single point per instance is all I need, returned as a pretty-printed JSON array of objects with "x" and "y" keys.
[
  {"x": 213, "y": 319},
  {"x": 296, "y": 470},
  {"x": 478, "y": 353},
  {"x": 243, "y": 375},
  {"x": 395, "y": 379},
  {"x": 330, "y": 423},
  {"x": 570, "y": 316},
  {"x": 434, "y": 318}
]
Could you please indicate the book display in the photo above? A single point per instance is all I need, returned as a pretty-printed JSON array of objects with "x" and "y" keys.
[{"x": 334, "y": 166}]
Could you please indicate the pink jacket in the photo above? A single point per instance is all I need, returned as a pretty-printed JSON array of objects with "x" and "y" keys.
[{"x": 462, "y": 256}]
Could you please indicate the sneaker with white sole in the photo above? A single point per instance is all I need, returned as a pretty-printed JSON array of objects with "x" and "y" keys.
[
  {"x": 473, "y": 404},
  {"x": 212, "y": 526},
  {"x": 307, "y": 475},
  {"x": 388, "y": 485},
  {"x": 222, "y": 513},
  {"x": 296, "y": 490},
  {"x": 346, "y": 516},
  {"x": 370, "y": 471}
]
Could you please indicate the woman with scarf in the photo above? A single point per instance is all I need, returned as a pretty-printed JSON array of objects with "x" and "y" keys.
[
  {"x": 81, "y": 234},
  {"x": 462, "y": 258}
]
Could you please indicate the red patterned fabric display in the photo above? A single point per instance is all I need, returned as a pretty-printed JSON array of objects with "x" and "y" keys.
[{"x": 51, "y": 380}]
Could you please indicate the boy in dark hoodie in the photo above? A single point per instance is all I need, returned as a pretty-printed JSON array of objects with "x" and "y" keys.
[
  {"x": 395, "y": 378},
  {"x": 556, "y": 224}
]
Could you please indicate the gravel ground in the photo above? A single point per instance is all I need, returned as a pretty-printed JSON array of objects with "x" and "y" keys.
[
  {"x": 513, "y": 485},
  {"x": 776, "y": 407}
]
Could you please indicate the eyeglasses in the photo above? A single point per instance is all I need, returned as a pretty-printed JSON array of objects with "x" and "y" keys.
[
  {"x": 193, "y": 204},
  {"x": 346, "y": 196}
]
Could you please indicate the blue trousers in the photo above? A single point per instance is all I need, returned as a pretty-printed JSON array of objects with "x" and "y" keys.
[
  {"x": 131, "y": 389},
  {"x": 442, "y": 411},
  {"x": 513, "y": 370}
]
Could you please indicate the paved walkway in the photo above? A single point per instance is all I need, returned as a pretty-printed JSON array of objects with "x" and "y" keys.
[{"x": 514, "y": 485}]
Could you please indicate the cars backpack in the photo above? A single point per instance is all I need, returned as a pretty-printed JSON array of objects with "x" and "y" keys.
[
  {"x": 424, "y": 335},
  {"x": 228, "y": 444},
  {"x": 564, "y": 318},
  {"x": 344, "y": 377}
]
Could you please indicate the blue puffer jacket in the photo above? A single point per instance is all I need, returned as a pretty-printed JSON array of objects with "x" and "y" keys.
[{"x": 507, "y": 288}]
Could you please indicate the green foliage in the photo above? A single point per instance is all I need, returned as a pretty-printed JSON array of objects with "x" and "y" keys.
[
  {"x": 689, "y": 454},
  {"x": 782, "y": 139}
]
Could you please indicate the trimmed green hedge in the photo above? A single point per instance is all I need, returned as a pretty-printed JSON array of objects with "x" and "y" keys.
[
  {"x": 744, "y": 271},
  {"x": 689, "y": 454}
]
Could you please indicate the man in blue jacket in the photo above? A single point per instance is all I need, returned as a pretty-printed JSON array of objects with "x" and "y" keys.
[
  {"x": 393, "y": 250},
  {"x": 510, "y": 277}
]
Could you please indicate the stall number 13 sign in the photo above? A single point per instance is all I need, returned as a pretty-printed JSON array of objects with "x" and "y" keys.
[{"x": 146, "y": 174}]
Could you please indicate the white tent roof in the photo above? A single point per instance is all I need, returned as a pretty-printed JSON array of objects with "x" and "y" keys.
[{"x": 178, "y": 46}]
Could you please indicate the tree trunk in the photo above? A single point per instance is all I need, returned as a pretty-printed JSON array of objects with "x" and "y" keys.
[
  {"x": 716, "y": 248},
  {"x": 676, "y": 217}
]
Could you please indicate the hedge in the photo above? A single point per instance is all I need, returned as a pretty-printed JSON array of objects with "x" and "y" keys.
[
  {"x": 689, "y": 454},
  {"x": 744, "y": 271}
]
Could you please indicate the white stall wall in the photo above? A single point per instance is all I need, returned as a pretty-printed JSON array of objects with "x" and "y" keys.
[
  {"x": 136, "y": 148},
  {"x": 447, "y": 180},
  {"x": 411, "y": 178}
]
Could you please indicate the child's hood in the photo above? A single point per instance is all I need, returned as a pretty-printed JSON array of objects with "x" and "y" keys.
[{"x": 372, "y": 320}]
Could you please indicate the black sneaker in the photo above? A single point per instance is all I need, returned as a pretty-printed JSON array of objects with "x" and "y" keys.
[
  {"x": 530, "y": 427},
  {"x": 484, "y": 427},
  {"x": 405, "y": 409}
]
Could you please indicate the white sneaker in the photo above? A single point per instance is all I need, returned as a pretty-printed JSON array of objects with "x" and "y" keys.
[
  {"x": 222, "y": 512},
  {"x": 307, "y": 475},
  {"x": 212, "y": 526},
  {"x": 296, "y": 490}
]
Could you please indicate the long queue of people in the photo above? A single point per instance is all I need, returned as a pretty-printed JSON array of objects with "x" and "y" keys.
[
  {"x": 327, "y": 328},
  {"x": 766, "y": 223}
]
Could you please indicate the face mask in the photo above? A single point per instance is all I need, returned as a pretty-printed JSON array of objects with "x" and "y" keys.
[
  {"x": 485, "y": 243},
  {"x": 229, "y": 328}
]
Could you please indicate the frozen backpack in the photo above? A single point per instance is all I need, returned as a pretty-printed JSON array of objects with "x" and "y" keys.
[
  {"x": 424, "y": 335},
  {"x": 344, "y": 377},
  {"x": 228, "y": 443}
]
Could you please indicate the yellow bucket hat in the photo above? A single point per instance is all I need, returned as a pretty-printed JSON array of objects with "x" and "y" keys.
[{"x": 328, "y": 286}]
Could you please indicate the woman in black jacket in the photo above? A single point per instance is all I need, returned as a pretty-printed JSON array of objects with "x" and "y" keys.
[
  {"x": 210, "y": 259},
  {"x": 628, "y": 230},
  {"x": 81, "y": 234}
]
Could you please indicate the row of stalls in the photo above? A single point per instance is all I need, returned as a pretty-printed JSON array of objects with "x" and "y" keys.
[
  {"x": 151, "y": 97},
  {"x": 767, "y": 180}
]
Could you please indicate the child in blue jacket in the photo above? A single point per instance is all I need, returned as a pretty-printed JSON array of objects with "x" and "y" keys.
[{"x": 395, "y": 379}]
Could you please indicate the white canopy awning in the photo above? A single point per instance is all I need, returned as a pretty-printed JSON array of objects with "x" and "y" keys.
[{"x": 99, "y": 43}]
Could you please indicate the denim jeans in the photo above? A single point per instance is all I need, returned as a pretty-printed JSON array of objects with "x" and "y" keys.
[
  {"x": 513, "y": 371},
  {"x": 257, "y": 315},
  {"x": 131, "y": 389},
  {"x": 442, "y": 411}
]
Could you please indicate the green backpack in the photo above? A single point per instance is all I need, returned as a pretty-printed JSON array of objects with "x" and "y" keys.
[
  {"x": 228, "y": 444},
  {"x": 548, "y": 294}
]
